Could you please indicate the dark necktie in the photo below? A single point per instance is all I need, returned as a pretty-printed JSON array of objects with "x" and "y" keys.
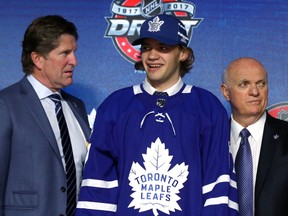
[
  {"x": 68, "y": 156},
  {"x": 244, "y": 172}
]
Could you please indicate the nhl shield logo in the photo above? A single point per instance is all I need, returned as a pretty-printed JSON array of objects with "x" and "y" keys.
[{"x": 151, "y": 8}]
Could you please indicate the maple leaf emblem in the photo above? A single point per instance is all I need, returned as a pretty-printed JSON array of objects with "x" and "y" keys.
[
  {"x": 156, "y": 187},
  {"x": 154, "y": 26}
]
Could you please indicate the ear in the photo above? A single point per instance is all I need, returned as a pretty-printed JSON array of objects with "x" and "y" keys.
[
  {"x": 184, "y": 54},
  {"x": 225, "y": 91},
  {"x": 37, "y": 60}
]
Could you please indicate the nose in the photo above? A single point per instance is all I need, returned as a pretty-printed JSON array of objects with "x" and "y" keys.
[
  {"x": 153, "y": 54},
  {"x": 254, "y": 90},
  {"x": 73, "y": 60}
]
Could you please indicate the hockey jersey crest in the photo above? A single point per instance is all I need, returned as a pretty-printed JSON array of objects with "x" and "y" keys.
[{"x": 157, "y": 187}]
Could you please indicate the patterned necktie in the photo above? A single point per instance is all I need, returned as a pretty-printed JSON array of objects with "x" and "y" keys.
[
  {"x": 244, "y": 172},
  {"x": 68, "y": 156}
]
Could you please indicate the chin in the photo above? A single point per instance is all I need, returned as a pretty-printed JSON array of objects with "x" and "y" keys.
[
  {"x": 67, "y": 84},
  {"x": 256, "y": 113}
]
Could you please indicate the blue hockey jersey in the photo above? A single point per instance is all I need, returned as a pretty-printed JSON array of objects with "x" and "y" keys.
[{"x": 151, "y": 155}]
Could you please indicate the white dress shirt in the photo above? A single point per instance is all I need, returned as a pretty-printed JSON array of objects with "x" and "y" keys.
[
  {"x": 77, "y": 136},
  {"x": 255, "y": 141}
]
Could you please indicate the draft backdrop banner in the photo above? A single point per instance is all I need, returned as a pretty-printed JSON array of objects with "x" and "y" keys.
[{"x": 219, "y": 31}]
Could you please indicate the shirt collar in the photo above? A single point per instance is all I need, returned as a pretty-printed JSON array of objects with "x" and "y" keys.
[
  {"x": 171, "y": 91},
  {"x": 41, "y": 90},
  {"x": 253, "y": 129}
]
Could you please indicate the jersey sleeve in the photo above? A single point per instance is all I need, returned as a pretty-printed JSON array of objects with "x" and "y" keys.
[
  {"x": 99, "y": 188},
  {"x": 219, "y": 181}
]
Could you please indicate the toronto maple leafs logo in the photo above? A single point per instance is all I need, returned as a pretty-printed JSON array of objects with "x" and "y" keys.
[
  {"x": 154, "y": 26},
  {"x": 156, "y": 187}
]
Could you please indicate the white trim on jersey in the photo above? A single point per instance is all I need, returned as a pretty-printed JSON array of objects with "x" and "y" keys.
[
  {"x": 97, "y": 206},
  {"x": 137, "y": 89},
  {"x": 221, "y": 200},
  {"x": 221, "y": 179},
  {"x": 99, "y": 183},
  {"x": 187, "y": 89}
]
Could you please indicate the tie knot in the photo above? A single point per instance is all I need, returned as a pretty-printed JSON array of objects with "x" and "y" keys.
[
  {"x": 55, "y": 98},
  {"x": 162, "y": 94},
  {"x": 244, "y": 133}
]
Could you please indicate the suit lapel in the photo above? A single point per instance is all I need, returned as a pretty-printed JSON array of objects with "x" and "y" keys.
[
  {"x": 268, "y": 148},
  {"x": 83, "y": 120},
  {"x": 33, "y": 104}
]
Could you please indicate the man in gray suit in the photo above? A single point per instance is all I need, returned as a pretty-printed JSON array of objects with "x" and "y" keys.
[
  {"x": 33, "y": 162},
  {"x": 245, "y": 86}
]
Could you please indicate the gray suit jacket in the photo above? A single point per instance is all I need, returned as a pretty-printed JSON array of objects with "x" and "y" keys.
[
  {"x": 271, "y": 191},
  {"x": 32, "y": 178}
]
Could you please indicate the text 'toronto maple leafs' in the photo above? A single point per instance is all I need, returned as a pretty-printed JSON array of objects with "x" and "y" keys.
[{"x": 156, "y": 187}]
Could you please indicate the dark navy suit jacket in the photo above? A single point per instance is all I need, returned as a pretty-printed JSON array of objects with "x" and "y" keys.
[{"x": 271, "y": 191}]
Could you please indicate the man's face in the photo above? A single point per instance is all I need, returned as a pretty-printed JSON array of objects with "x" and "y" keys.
[
  {"x": 246, "y": 90},
  {"x": 161, "y": 63},
  {"x": 55, "y": 70}
]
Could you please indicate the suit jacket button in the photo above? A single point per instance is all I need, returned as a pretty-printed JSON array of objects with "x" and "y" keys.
[{"x": 63, "y": 189}]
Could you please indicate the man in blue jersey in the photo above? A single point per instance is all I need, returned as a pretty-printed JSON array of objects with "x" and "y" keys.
[{"x": 161, "y": 147}]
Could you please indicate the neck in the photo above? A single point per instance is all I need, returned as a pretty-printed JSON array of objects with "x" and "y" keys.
[{"x": 246, "y": 121}]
